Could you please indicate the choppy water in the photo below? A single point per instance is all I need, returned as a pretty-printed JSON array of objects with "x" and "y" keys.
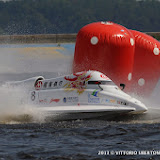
[
  {"x": 77, "y": 140},
  {"x": 30, "y": 136}
]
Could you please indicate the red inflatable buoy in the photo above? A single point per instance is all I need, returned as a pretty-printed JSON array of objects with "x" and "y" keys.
[
  {"x": 126, "y": 56},
  {"x": 106, "y": 47},
  {"x": 146, "y": 67}
]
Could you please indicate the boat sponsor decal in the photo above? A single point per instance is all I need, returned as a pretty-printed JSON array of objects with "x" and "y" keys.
[
  {"x": 122, "y": 103},
  {"x": 55, "y": 84},
  {"x": 60, "y": 83},
  {"x": 93, "y": 99},
  {"x": 54, "y": 100},
  {"x": 77, "y": 82},
  {"x": 51, "y": 84},
  {"x": 38, "y": 85},
  {"x": 95, "y": 93},
  {"x": 43, "y": 101},
  {"x": 45, "y": 84},
  {"x": 70, "y": 99},
  {"x": 64, "y": 100},
  {"x": 112, "y": 100},
  {"x": 107, "y": 100},
  {"x": 104, "y": 77},
  {"x": 103, "y": 100}
]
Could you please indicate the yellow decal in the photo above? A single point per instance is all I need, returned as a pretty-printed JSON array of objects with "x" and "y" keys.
[{"x": 78, "y": 82}]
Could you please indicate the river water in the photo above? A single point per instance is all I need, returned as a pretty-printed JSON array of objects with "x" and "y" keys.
[{"x": 31, "y": 136}]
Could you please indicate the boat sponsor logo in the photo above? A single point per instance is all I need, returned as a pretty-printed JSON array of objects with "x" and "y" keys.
[
  {"x": 51, "y": 100},
  {"x": 52, "y": 84},
  {"x": 43, "y": 101},
  {"x": 95, "y": 93},
  {"x": 93, "y": 99},
  {"x": 45, "y": 84},
  {"x": 112, "y": 100},
  {"x": 60, "y": 83},
  {"x": 38, "y": 85},
  {"x": 55, "y": 84},
  {"x": 70, "y": 99},
  {"x": 77, "y": 82},
  {"x": 54, "y": 100},
  {"x": 104, "y": 77},
  {"x": 122, "y": 103},
  {"x": 108, "y": 101},
  {"x": 64, "y": 100}
]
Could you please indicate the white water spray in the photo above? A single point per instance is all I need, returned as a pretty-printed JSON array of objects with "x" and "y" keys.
[
  {"x": 19, "y": 62},
  {"x": 14, "y": 107}
]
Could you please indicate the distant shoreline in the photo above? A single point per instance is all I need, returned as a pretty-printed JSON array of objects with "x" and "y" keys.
[{"x": 49, "y": 38}]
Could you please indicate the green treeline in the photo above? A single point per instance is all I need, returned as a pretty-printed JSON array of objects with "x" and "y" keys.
[{"x": 68, "y": 16}]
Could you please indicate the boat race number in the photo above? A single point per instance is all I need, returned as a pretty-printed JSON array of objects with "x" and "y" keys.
[
  {"x": 38, "y": 85},
  {"x": 33, "y": 95}
]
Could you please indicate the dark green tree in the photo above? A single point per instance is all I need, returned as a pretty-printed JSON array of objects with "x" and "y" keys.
[{"x": 68, "y": 16}]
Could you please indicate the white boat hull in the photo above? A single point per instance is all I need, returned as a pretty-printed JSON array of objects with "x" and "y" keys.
[{"x": 87, "y": 93}]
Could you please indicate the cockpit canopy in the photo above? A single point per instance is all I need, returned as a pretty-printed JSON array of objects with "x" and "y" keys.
[{"x": 100, "y": 83}]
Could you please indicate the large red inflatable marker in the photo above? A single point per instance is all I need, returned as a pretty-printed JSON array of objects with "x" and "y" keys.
[
  {"x": 126, "y": 56},
  {"x": 146, "y": 68},
  {"x": 106, "y": 47}
]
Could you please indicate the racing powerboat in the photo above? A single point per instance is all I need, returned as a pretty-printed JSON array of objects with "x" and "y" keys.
[{"x": 89, "y": 94}]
